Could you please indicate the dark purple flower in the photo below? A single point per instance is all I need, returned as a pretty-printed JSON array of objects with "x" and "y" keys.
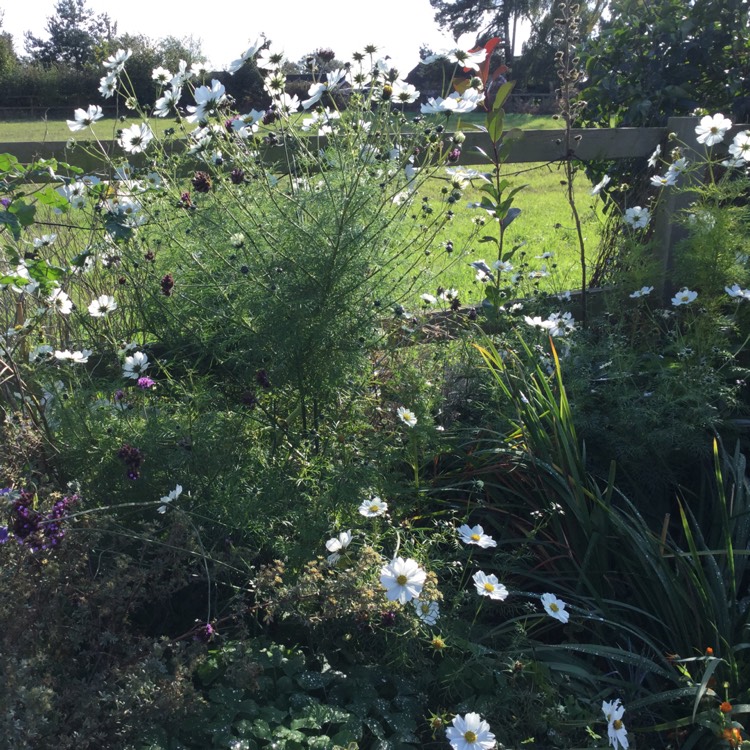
[
  {"x": 133, "y": 458},
  {"x": 249, "y": 399},
  {"x": 5, "y": 202},
  {"x": 454, "y": 155},
  {"x": 202, "y": 182},
  {"x": 3, "y": 534},
  {"x": 261, "y": 377},
  {"x": 388, "y": 618},
  {"x": 145, "y": 383},
  {"x": 119, "y": 395},
  {"x": 167, "y": 283},
  {"x": 205, "y": 633}
]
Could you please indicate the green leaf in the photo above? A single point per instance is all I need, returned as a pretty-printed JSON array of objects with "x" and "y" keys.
[
  {"x": 43, "y": 272},
  {"x": 50, "y": 197},
  {"x": 495, "y": 120},
  {"x": 23, "y": 211},
  {"x": 502, "y": 94},
  {"x": 513, "y": 213},
  {"x": 11, "y": 222},
  {"x": 8, "y": 163},
  {"x": 17, "y": 280},
  {"x": 261, "y": 729},
  {"x": 489, "y": 238},
  {"x": 492, "y": 295}
]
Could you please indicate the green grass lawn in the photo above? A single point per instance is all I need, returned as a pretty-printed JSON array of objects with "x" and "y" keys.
[{"x": 545, "y": 225}]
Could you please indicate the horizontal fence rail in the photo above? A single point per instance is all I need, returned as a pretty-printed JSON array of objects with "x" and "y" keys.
[{"x": 534, "y": 146}]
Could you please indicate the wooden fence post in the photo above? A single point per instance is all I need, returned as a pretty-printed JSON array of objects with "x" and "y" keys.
[{"x": 674, "y": 200}]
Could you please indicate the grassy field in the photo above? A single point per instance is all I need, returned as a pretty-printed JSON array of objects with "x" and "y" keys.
[
  {"x": 544, "y": 226},
  {"x": 43, "y": 131}
]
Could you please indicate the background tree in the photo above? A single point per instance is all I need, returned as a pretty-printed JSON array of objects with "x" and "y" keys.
[
  {"x": 74, "y": 32},
  {"x": 488, "y": 18},
  {"x": 8, "y": 59},
  {"x": 655, "y": 59}
]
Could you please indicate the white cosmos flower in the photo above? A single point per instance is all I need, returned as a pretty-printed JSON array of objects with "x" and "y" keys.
[
  {"x": 316, "y": 90},
  {"x": 402, "y": 579},
  {"x": 60, "y": 301},
  {"x": 235, "y": 65},
  {"x": 337, "y": 545},
  {"x": 448, "y": 295},
  {"x": 599, "y": 185},
  {"x": 135, "y": 365},
  {"x": 167, "y": 499},
  {"x": 102, "y": 306},
  {"x": 161, "y": 75},
  {"x": 642, "y": 292},
  {"x": 288, "y": 104},
  {"x": 182, "y": 76},
  {"x": 427, "y": 612},
  {"x": 484, "y": 272},
  {"x": 488, "y": 585},
  {"x": 167, "y": 103},
  {"x": 77, "y": 357},
  {"x": 464, "y": 58},
  {"x": 475, "y": 535},
  {"x": 677, "y": 167},
  {"x": 654, "y": 158},
  {"x": 712, "y": 129},
  {"x": 637, "y": 217},
  {"x": 504, "y": 266},
  {"x": 44, "y": 241},
  {"x": 404, "y": 93},
  {"x": 268, "y": 60},
  {"x": 115, "y": 63},
  {"x": 85, "y": 117},
  {"x": 666, "y": 180},
  {"x": 437, "y": 105},
  {"x": 41, "y": 352},
  {"x": 613, "y": 712},
  {"x": 466, "y": 102},
  {"x": 736, "y": 291},
  {"x": 470, "y": 732},
  {"x": 108, "y": 86},
  {"x": 684, "y": 297},
  {"x": 408, "y": 417},
  {"x": 555, "y": 607},
  {"x": 136, "y": 138},
  {"x": 74, "y": 193},
  {"x": 428, "y": 299},
  {"x": 740, "y": 146},
  {"x": 207, "y": 100},
  {"x": 373, "y": 507}
]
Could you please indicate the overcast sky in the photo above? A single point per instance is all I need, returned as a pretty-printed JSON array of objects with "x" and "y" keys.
[{"x": 297, "y": 27}]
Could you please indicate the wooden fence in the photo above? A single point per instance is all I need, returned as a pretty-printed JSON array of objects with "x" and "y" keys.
[{"x": 590, "y": 144}]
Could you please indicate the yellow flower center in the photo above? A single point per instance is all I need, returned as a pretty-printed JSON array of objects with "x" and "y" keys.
[
  {"x": 489, "y": 587},
  {"x": 475, "y": 537},
  {"x": 617, "y": 724},
  {"x": 374, "y": 508},
  {"x": 438, "y": 643},
  {"x": 425, "y": 607},
  {"x": 401, "y": 580},
  {"x": 470, "y": 737},
  {"x": 554, "y": 607}
]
